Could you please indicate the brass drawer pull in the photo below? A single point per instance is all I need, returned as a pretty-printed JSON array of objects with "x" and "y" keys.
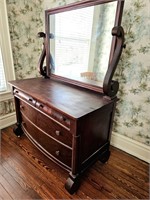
[
  {"x": 57, "y": 133},
  {"x": 57, "y": 153}
]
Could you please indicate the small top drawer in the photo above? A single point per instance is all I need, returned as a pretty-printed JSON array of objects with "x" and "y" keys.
[
  {"x": 53, "y": 113},
  {"x": 24, "y": 96},
  {"x": 61, "y": 118},
  {"x": 46, "y": 124}
]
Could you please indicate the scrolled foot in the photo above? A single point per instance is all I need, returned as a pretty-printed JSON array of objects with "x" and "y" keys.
[
  {"x": 18, "y": 130},
  {"x": 72, "y": 185},
  {"x": 104, "y": 157}
]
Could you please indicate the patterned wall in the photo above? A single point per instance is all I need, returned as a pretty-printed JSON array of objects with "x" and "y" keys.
[
  {"x": 7, "y": 107},
  {"x": 132, "y": 117},
  {"x": 25, "y": 21}
]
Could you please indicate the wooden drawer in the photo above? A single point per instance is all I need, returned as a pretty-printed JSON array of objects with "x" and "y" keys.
[
  {"x": 23, "y": 96},
  {"x": 50, "y": 147},
  {"x": 61, "y": 118},
  {"x": 47, "y": 124}
]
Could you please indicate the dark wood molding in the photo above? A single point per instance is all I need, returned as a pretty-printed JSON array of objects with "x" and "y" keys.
[
  {"x": 110, "y": 87},
  {"x": 118, "y": 21},
  {"x": 78, "y": 5},
  {"x": 41, "y": 68}
]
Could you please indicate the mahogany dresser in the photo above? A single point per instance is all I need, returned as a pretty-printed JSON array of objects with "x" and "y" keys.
[
  {"x": 69, "y": 124},
  {"x": 68, "y": 119}
]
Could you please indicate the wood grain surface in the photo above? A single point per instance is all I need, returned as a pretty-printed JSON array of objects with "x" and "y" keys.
[{"x": 25, "y": 173}]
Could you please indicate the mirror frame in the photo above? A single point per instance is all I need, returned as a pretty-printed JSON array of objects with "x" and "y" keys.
[{"x": 110, "y": 87}]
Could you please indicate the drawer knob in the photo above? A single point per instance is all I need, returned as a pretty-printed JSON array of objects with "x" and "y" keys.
[
  {"x": 30, "y": 99},
  {"x": 57, "y": 133},
  {"x": 41, "y": 106},
  {"x": 16, "y": 91},
  {"x": 21, "y": 107},
  {"x": 57, "y": 153}
]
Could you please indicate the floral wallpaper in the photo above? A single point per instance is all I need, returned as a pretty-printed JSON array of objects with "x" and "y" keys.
[
  {"x": 7, "y": 107},
  {"x": 132, "y": 117},
  {"x": 26, "y": 19}
]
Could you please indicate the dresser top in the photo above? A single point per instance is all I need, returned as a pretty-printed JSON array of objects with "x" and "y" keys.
[{"x": 71, "y": 100}]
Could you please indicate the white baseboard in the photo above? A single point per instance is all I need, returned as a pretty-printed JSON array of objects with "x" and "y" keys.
[
  {"x": 7, "y": 120},
  {"x": 132, "y": 147}
]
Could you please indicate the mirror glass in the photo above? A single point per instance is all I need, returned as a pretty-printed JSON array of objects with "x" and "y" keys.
[{"x": 80, "y": 42}]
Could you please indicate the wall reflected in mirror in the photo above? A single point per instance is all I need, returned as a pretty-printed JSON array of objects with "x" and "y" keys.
[{"x": 81, "y": 42}]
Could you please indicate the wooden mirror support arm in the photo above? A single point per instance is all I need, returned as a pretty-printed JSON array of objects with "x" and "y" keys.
[
  {"x": 41, "y": 69},
  {"x": 110, "y": 87}
]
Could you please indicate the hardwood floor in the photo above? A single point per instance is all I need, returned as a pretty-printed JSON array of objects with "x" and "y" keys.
[{"x": 26, "y": 174}]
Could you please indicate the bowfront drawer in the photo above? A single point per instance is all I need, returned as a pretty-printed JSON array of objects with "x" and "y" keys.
[
  {"x": 53, "y": 149},
  {"x": 46, "y": 124}
]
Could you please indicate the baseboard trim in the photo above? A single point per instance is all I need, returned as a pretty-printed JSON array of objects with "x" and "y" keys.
[
  {"x": 132, "y": 147},
  {"x": 7, "y": 120}
]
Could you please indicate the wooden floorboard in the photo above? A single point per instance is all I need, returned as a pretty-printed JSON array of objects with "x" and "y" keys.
[{"x": 25, "y": 173}]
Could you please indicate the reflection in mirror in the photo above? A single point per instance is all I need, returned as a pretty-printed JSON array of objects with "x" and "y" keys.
[{"x": 81, "y": 42}]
